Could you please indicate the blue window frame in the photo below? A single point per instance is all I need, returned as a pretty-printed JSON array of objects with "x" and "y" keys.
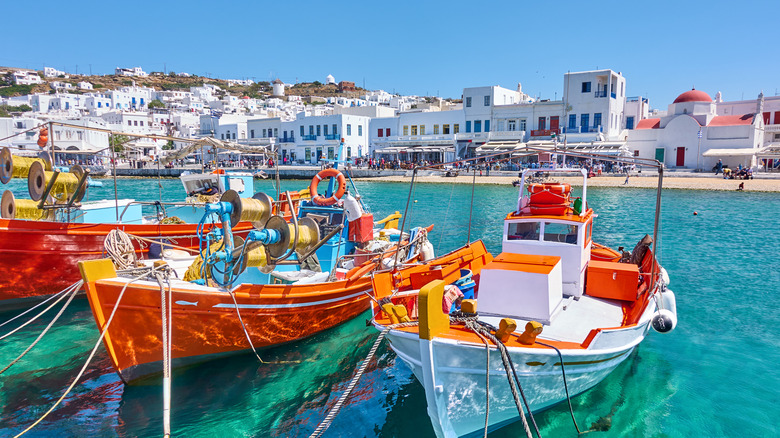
[
  {"x": 596, "y": 119},
  {"x": 572, "y": 121},
  {"x": 468, "y": 125},
  {"x": 487, "y": 125},
  {"x": 586, "y": 87},
  {"x": 584, "y": 120},
  {"x": 630, "y": 122},
  {"x": 477, "y": 125},
  {"x": 302, "y": 134},
  {"x": 319, "y": 130}
]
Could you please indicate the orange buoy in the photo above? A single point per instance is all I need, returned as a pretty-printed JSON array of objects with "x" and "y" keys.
[
  {"x": 327, "y": 173},
  {"x": 43, "y": 137}
]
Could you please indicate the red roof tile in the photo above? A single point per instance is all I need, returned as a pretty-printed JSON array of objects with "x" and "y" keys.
[
  {"x": 648, "y": 124},
  {"x": 745, "y": 119}
]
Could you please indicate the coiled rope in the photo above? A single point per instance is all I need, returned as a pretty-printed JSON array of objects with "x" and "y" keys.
[
  {"x": 323, "y": 426},
  {"x": 120, "y": 249},
  {"x": 40, "y": 336},
  {"x": 61, "y": 295},
  {"x": 91, "y": 355}
]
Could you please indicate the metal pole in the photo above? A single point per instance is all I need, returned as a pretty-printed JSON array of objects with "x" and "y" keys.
[
  {"x": 116, "y": 194},
  {"x": 471, "y": 208},
  {"x": 657, "y": 219},
  {"x": 698, "y": 151},
  {"x": 403, "y": 221}
]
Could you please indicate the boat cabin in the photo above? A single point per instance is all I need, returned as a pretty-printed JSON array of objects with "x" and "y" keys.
[{"x": 546, "y": 247}]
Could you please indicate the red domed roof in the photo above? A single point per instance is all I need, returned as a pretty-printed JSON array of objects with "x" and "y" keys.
[{"x": 693, "y": 96}]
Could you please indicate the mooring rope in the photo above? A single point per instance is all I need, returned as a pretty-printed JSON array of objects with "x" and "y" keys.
[
  {"x": 472, "y": 325},
  {"x": 40, "y": 336},
  {"x": 64, "y": 291},
  {"x": 91, "y": 355},
  {"x": 76, "y": 285},
  {"x": 167, "y": 323},
  {"x": 565, "y": 385},
  {"x": 487, "y": 381},
  {"x": 323, "y": 426}
]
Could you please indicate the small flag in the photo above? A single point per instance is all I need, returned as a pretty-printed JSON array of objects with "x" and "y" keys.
[{"x": 699, "y": 134}]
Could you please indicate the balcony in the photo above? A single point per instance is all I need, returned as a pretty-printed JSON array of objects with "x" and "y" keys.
[
  {"x": 309, "y": 137},
  {"x": 332, "y": 137},
  {"x": 581, "y": 129},
  {"x": 601, "y": 93},
  {"x": 286, "y": 139}
]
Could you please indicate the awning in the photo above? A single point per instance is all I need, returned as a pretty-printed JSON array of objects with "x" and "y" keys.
[{"x": 735, "y": 152}]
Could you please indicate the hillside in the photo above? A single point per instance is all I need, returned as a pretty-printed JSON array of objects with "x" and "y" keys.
[{"x": 159, "y": 81}]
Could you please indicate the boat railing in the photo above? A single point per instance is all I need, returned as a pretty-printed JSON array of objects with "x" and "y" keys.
[
  {"x": 163, "y": 204},
  {"x": 523, "y": 198}
]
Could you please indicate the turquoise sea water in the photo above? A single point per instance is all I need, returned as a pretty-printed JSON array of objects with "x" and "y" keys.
[{"x": 715, "y": 375}]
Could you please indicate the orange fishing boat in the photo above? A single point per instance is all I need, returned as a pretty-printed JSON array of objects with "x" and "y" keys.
[
  {"x": 40, "y": 247},
  {"x": 283, "y": 281}
]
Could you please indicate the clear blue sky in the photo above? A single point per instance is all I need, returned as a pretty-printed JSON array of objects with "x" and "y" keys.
[{"x": 413, "y": 47}]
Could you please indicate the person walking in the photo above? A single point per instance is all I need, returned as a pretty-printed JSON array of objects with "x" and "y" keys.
[{"x": 719, "y": 167}]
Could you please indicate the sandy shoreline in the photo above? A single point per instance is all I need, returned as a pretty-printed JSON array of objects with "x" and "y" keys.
[{"x": 687, "y": 183}]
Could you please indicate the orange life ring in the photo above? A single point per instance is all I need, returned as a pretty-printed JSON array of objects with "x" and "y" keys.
[
  {"x": 327, "y": 173},
  {"x": 43, "y": 138}
]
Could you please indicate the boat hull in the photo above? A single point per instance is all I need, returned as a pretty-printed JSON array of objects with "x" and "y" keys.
[
  {"x": 204, "y": 321},
  {"x": 453, "y": 375},
  {"x": 40, "y": 258}
]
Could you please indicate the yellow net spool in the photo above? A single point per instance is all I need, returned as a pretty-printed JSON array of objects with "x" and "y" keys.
[
  {"x": 12, "y": 208},
  {"x": 14, "y": 166},
  {"x": 308, "y": 234},
  {"x": 64, "y": 187},
  {"x": 256, "y": 209},
  {"x": 256, "y": 258}
]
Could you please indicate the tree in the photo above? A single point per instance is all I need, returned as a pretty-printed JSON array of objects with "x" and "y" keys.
[
  {"x": 118, "y": 142},
  {"x": 169, "y": 146},
  {"x": 156, "y": 103}
]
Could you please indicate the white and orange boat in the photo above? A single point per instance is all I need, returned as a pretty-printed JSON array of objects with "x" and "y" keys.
[{"x": 579, "y": 308}]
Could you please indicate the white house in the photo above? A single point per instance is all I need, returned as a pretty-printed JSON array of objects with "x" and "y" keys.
[
  {"x": 135, "y": 71},
  {"x": 84, "y": 85},
  {"x": 26, "y": 77},
  {"x": 51, "y": 72}
]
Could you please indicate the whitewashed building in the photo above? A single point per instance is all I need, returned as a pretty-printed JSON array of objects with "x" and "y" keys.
[
  {"x": 692, "y": 134},
  {"x": 134, "y": 71},
  {"x": 26, "y": 77},
  {"x": 51, "y": 72}
]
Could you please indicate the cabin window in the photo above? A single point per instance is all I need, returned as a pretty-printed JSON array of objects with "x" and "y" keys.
[
  {"x": 563, "y": 233},
  {"x": 588, "y": 231},
  {"x": 523, "y": 231}
]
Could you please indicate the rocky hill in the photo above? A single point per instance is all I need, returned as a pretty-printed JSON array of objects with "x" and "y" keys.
[{"x": 171, "y": 81}]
